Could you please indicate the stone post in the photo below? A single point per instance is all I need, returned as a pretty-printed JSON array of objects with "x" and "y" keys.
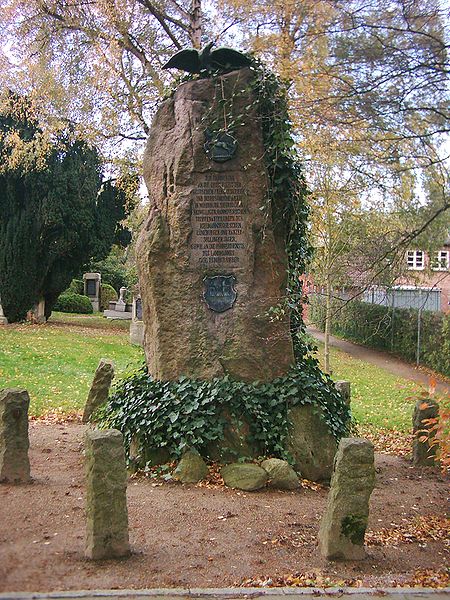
[
  {"x": 92, "y": 283},
  {"x": 343, "y": 387},
  {"x": 106, "y": 503},
  {"x": 341, "y": 535},
  {"x": 98, "y": 394},
  {"x": 424, "y": 454},
  {"x": 14, "y": 443}
]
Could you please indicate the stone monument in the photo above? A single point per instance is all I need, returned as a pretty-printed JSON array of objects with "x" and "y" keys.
[
  {"x": 119, "y": 309},
  {"x": 92, "y": 282},
  {"x": 211, "y": 262}
]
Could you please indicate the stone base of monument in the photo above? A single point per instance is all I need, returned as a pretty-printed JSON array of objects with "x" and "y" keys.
[
  {"x": 118, "y": 310},
  {"x": 114, "y": 314},
  {"x": 3, "y": 321}
]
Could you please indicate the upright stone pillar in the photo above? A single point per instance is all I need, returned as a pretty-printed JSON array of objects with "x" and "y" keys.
[
  {"x": 424, "y": 453},
  {"x": 211, "y": 261},
  {"x": 14, "y": 443},
  {"x": 99, "y": 392},
  {"x": 106, "y": 503},
  {"x": 341, "y": 535}
]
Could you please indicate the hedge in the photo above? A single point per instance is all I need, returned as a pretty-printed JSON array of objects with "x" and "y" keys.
[
  {"x": 390, "y": 329},
  {"x": 73, "y": 303}
]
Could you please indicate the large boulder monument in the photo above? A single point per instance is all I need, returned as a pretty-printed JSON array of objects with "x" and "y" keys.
[
  {"x": 211, "y": 263},
  {"x": 219, "y": 258}
]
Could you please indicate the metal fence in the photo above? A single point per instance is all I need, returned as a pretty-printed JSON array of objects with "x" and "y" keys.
[{"x": 405, "y": 297}]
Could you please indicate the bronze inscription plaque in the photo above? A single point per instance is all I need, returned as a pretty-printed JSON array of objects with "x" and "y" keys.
[{"x": 219, "y": 219}]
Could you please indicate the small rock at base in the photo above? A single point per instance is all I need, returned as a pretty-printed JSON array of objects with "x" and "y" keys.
[
  {"x": 247, "y": 477},
  {"x": 281, "y": 474},
  {"x": 191, "y": 468}
]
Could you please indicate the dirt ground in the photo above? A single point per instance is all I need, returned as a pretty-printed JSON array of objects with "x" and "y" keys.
[{"x": 197, "y": 536}]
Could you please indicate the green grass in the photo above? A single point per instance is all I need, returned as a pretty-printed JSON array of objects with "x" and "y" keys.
[
  {"x": 96, "y": 321},
  {"x": 379, "y": 398},
  {"x": 56, "y": 363}
]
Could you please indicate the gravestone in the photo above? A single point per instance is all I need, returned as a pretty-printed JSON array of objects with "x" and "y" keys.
[
  {"x": 119, "y": 309},
  {"x": 343, "y": 526},
  {"x": 106, "y": 502},
  {"x": 14, "y": 443},
  {"x": 211, "y": 262},
  {"x": 92, "y": 283},
  {"x": 424, "y": 452}
]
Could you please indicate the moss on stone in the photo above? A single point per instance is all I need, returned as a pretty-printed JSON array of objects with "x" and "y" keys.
[{"x": 354, "y": 528}]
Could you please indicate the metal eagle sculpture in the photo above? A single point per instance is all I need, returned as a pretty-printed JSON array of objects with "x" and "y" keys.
[{"x": 207, "y": 60}]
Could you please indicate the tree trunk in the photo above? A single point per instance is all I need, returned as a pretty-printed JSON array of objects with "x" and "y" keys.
[
  {"x": 327, "y": 325},
  {"x": 196, "y": 24}
]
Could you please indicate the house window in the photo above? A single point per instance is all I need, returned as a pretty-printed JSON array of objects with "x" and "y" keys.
[
  {"x": 440, "y": 261},
  {"x": 415, "y": 260}
]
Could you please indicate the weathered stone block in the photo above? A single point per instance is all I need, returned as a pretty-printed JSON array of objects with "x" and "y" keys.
[
  {"x": 424, "y": 453},
  {"x": 310, "y": 443},
  {"x": 281, "y": 474},
  {"x": 14, "y": 443},
  {"x": 98, "y": 394},
  {"x": 248, "y": 477},
  {"x": 106, "y": 504},
  {"x": 191, "y": 468},
  {"x": 343, "y": 526}
]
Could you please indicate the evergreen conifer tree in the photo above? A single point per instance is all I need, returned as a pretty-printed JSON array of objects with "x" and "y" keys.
[{"x": 56, "y": 212}]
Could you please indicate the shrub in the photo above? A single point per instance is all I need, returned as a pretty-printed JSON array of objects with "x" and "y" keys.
[
  {"x": 73, "y": 303},
  {"x": 76, "y": 286},
  {"x": 390, "y": 329},
  {"x": 107, "y": 295}
]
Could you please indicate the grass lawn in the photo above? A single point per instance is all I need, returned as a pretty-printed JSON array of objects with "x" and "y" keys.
[
  {"x": 56, "y": 363},
  {"x": 379, "y": 398},
  {"x": 96, "y": 321}
]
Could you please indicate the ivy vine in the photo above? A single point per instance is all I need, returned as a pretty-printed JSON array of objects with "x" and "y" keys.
[{"x": 194, "y": 413}]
